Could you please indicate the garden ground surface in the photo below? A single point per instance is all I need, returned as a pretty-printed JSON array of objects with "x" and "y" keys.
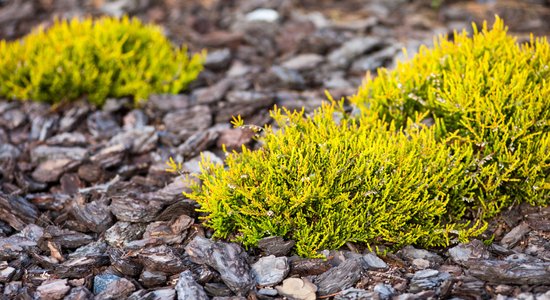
[{"x": 87, "y": 209}]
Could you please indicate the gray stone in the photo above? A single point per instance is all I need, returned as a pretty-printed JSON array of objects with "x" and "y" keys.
[
  {"x": 373, "y": 262},
  {"x": 101, "y": 281},
  {"x": 187, "y": 288},
  {"x": 270, "y": 270},
  {"x": 263, "y": 15}
]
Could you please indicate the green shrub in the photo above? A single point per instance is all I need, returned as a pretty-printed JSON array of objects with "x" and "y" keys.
[
  {"x": 485, "y": 92},
  {"x": 104, "y": 58},
  {"x": 379, "y": 174}
]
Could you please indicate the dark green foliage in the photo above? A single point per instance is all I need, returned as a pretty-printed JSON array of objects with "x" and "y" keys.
[{"x": 104, "y": 58}]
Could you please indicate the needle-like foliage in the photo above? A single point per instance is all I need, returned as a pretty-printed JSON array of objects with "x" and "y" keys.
[
  {"x": 108, "y": 57},
  {"x": 384, "y": 173}
]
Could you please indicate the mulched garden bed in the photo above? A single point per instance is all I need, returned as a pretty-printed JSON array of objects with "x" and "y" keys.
[{"x": 87, "y": 210}]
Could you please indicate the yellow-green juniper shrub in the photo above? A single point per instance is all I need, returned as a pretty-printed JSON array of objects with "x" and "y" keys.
[
  {"x": 107, "y": 57},
  {"x": 381, "y": 175},
  {"x": 488, "y": 93}
]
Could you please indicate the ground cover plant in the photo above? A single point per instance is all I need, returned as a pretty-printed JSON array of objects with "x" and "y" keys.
[
  {"x": 430, "y": 151},
  {"x": 107, "y": 57}
]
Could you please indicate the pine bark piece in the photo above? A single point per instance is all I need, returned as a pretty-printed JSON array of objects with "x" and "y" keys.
[
  {"x": 55, "y": 289},
  {"x": 187, "y": 288},
  {"x": 503, "y": 272},
  {"x": 162, "y": 259},
  {"x": 16, "y": 211},
  {"x": 96, "y": 215},
  {"x": 228, "y": 259},
  {"x": 339, "y": 278}
]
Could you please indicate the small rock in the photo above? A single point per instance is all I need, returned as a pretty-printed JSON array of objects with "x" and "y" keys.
[
  {"x": 373, "y": 262},
  {"x": 270, "y": 270},
  {"x": 262, "y": 15},
  {"x": 297, "y": 288},
  {"x": 187, "y": 288},
  {"x": 218, "y": 59},
  {"x": 101, "y": 281},
  {"x": 52, "y": 289},
  {"x": 67, "y": 139}
]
